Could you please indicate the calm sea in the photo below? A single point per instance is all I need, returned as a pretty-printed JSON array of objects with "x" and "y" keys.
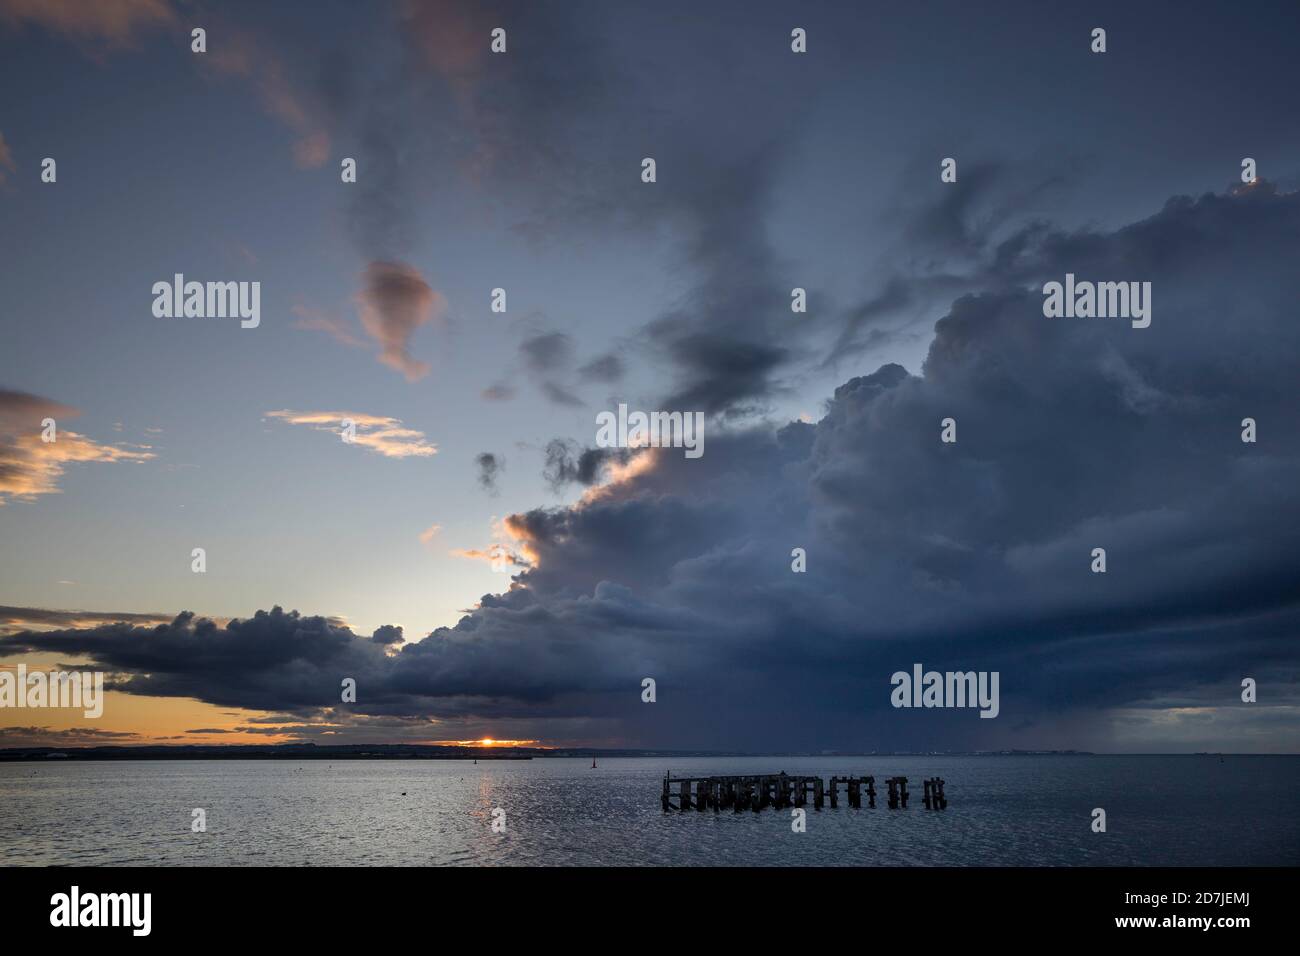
[{"x": 1030, "y": 810}]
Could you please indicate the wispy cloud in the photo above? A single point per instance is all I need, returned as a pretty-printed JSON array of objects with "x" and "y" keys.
[
  {"x": 498, "y": 393},
  {"x": 115, "y": 22},
  {"x": 13, "y": 619},
  {"x": 31, "y": 466},
  {"x": 6, "y": 160},
  {"x": 381, "y": 434},
  {"x": 79, "y": 736},
  {"x": 494, "y": 554},
  {"x": 313, "y": 320},
  {"x": 248, "y": 57}
]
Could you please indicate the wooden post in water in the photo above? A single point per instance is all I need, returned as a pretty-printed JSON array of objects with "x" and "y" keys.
[
  {"x": 934, "y": 799},
  {"x": 782, "y": 791}
]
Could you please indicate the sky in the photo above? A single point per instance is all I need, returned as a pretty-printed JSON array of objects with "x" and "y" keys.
[{"x": 536, "y": 578}]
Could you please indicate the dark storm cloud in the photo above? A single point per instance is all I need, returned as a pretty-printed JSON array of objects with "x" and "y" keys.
[
  {"x": 558, "y": 140},
  {"x": 729, "y": 338},
  {"x": 950, "y": 241},
  {"x": 489, "y": 467},
  {"x": 568, "y": 463},
  {"x": 1072, "y": 434},
  {"x": 388, "y": 634}
]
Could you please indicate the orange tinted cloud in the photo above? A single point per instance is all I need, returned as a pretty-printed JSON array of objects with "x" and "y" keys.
[
  {"x": 31, "y": 466},
  {"x": 14, "y": 619},
  {"x": 383, "y": 435}
]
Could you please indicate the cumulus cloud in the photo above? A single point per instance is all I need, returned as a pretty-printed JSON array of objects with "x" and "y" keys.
[
  {"x": 381, "y": 434},
  {"x": 30, "y": 466},
  {"x": 388, "y": 634},
  {"x": 1072, "y": 434},
  {"x": 395, "y": 301}
]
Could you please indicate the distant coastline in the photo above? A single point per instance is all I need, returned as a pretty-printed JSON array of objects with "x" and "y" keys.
[
  {"x": 265, "y": 752},
  {"x": 309, "y": 751}
]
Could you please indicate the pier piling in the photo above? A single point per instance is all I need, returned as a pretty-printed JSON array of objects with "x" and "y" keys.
[{"x": 781, "y": 791}]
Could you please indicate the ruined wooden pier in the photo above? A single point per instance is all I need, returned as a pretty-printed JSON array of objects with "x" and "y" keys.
[{"x": 780, "y": 791}]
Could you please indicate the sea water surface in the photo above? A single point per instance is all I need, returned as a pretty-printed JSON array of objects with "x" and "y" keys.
[{"x": 1002, "y": 810}]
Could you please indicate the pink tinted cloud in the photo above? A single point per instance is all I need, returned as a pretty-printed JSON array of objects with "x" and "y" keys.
[
  {"x": 114, "y": 22},
  {"x": 395, "y": 301}
]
